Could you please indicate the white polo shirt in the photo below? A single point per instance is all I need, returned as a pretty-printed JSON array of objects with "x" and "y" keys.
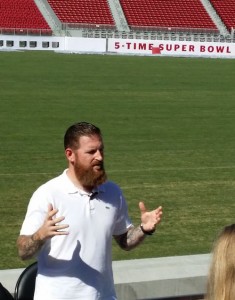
[{"x": 77, "y": 266}]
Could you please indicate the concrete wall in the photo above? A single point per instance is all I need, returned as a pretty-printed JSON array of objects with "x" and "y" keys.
[
  {"x": 117, "y": 46},
  {"x": 178, "y": 277}
]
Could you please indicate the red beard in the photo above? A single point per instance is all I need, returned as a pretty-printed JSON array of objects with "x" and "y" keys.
[{"x": 90, "y": 178}]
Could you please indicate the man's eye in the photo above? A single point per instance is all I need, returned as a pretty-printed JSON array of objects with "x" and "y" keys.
[{"x": 92, "y": 152}]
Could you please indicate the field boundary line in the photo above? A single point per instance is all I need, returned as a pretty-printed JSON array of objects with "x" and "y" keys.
[{"x": 129, "y": 170}]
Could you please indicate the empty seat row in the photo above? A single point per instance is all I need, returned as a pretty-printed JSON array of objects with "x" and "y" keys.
[
  {"x": 154, "y": 13},
  {"x": 83, "y": 11},
  {"x": 170, "y": 13},
  {"x": 226, "y": 11},
  {"x": 21, "y": 14}
]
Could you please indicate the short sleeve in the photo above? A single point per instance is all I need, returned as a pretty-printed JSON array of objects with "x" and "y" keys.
[
  {"x": 36, "y": 212},
  {"x": 123, "y": 221}
]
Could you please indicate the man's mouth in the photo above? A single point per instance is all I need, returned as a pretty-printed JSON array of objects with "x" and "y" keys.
[{"x": 98, "y": 167}]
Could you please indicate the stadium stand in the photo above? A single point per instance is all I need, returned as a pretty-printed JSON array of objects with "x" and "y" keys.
[
  {"x": 22, "y": 17},
  {"x": 177, "y": 14},
  {"x": 187, "y": 20},
  {"x": 226, "y": 11},
  {"x": 83, "y": 12}
]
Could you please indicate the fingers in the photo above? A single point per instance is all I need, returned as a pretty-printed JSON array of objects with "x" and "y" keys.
[
  {"x": 50, "y": 207},
  {"x": 59, "y": 229},
  {"x": 150, "y": 218},
  {"x": 142, "y": 207},
  {"x": 57, "y": 220},
  {"x": 52, "y": 223},
  {"x": 55, "y": 224},
  {"x": 51, "y": 211},
  {"x": 158, "y": 213}
]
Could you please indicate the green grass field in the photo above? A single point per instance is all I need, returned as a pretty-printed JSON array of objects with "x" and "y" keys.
[{"x": 169, "y": 131}]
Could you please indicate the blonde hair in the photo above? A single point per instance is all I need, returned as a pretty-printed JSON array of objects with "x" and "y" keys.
[{"x": 221, "y": 278}]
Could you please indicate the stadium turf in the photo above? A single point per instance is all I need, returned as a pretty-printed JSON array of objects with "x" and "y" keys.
[{"x": 169, "y": 132}]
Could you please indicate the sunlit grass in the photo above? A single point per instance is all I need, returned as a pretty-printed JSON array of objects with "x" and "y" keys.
[{"x": 169, "y": 131}]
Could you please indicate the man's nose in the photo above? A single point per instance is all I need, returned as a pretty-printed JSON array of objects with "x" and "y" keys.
[{"x": 99, "y": 155}]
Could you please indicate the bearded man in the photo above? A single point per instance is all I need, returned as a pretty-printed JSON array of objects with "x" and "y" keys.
[{"x": 71, "y": 220}]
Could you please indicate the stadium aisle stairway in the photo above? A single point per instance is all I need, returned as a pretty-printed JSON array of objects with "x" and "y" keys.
[{"x": 226, "y": 11}]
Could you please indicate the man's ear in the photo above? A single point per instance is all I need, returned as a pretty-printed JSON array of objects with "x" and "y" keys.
[{"x": 69, "y": 154}]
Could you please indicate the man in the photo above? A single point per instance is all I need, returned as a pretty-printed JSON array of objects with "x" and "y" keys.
[{"x": 71, "y": 220}]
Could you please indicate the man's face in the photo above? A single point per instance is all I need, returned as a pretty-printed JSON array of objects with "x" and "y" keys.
[{"x": 88, "y": 162}]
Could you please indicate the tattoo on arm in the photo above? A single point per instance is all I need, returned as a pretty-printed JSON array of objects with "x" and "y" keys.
[
  {"x": 132, "y": 238},
  {"x": 28, "y": 245}
]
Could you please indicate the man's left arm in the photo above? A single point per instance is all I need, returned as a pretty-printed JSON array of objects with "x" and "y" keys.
[{"x": 135, "y": 235}]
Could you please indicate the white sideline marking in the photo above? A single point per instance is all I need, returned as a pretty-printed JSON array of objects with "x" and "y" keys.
[{"x": 130, "y": 170}]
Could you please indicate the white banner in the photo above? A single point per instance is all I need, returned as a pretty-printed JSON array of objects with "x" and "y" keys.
[
  {"x": 119, "y": 46},
  {"x": 171, "y": 48}
]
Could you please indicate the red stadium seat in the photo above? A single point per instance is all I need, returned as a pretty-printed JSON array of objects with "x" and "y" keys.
[
  {"x": 21, "y": 15},
  {"x": 226, "y": 11},
  {"x": 83, "y": 12},
  {"x": 170, "y": 13}
]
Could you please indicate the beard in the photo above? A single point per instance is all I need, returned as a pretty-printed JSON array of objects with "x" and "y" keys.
[{"x": 88, "y": 177}]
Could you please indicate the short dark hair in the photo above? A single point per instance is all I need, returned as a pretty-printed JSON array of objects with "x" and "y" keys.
[{"x": 75, "y": 131}]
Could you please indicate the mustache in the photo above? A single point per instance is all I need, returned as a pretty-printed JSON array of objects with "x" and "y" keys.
[{"x": 98, "y": 163}]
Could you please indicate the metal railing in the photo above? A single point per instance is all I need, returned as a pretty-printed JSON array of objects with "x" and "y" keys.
[
  {"x": 109, "y": 31},
  {"x": 26, "y": 31}
]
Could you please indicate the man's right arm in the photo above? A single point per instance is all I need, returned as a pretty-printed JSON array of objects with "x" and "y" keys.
[{"x": 29, "y": 245}]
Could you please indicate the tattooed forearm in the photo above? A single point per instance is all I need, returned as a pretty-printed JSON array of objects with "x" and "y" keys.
[
  {"x": 130, "y": 239},
  {"x": 134, "y": 237},
  {"x": 28, "y": 245}
]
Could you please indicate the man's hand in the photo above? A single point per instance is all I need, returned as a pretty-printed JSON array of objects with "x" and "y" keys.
[
  {"x": 135, "y": 235},
  {"x": 150, "y": 219},
  {"x": 51, "y": 225},
  {"x": 29, "y": 245}
]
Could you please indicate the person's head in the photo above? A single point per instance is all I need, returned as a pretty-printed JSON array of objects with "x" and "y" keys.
[
  {"x": 84, "y": 150},
  {"x": 221, "y": 279}
]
